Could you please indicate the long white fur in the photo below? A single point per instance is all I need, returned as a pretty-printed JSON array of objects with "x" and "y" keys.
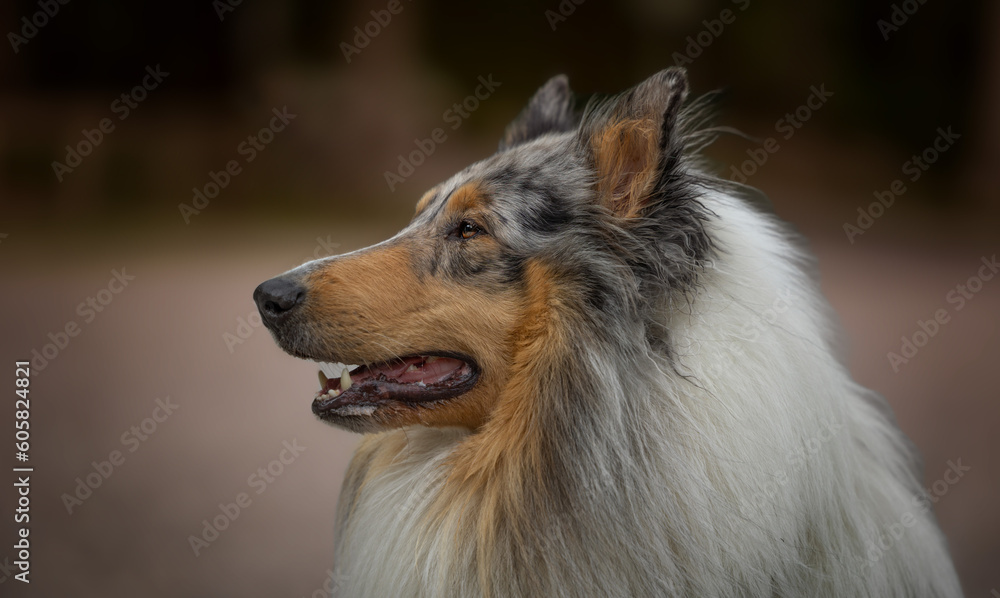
[{"x": 767, "y": 471}]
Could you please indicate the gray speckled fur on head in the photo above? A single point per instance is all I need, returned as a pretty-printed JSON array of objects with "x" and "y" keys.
[{"x": 543, "y": 205}]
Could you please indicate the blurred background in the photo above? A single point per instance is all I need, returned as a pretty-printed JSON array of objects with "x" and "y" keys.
[{"x": 158, "y": 160}]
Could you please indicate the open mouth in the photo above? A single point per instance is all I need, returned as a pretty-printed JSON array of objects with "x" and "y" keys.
[{"x": 413, "y": 380}]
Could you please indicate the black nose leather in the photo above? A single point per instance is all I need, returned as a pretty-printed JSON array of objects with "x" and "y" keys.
[{"x": 277, "y": 298}]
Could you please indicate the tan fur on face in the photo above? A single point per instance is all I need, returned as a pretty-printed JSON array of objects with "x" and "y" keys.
[
  {"x": 372, "y": 307},
  {"x": 490, "y": 469},
  {"x": 467, "y": 198},
  {"x": 424, "y": 200}
]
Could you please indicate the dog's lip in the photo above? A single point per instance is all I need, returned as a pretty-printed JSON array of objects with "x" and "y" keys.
[{"x": 413, "y": 380}]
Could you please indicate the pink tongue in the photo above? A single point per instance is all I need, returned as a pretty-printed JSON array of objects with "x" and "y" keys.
[
  {"x": 433, "y": 372},
  {"x": 429, "y": 373}
]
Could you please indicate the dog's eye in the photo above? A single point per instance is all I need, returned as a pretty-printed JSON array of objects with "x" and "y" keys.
[{"x": 468, "y": 229}]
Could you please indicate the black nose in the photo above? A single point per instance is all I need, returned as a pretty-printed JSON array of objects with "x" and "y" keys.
[{"x": 277, "y": 298}]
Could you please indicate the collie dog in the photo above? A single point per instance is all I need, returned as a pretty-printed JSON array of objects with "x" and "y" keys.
[{"x": 587, "y": 367}]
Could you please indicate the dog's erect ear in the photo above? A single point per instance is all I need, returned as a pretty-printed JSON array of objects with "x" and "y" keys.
[
  {"x": 631, "y": 140},
  {"x": 550, "y": 110}
]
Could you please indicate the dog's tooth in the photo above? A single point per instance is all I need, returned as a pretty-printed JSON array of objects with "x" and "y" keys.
[
  {"x": 345, "y": 379},
  {"x": 322, "y": 380},
  {"x": 413, "y": 367},
  {"x": 431, "y": 359}
]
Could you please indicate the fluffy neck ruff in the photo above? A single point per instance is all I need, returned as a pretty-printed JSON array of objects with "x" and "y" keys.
[
  {"x": 744, "y": 462},
  {"x": 558, "y": 470}
]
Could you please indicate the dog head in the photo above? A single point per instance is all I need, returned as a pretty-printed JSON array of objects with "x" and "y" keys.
[{"x": 578, "y": 220}]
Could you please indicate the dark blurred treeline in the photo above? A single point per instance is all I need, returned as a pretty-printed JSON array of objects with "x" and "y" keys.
[{"x": 899, "y": 69}]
